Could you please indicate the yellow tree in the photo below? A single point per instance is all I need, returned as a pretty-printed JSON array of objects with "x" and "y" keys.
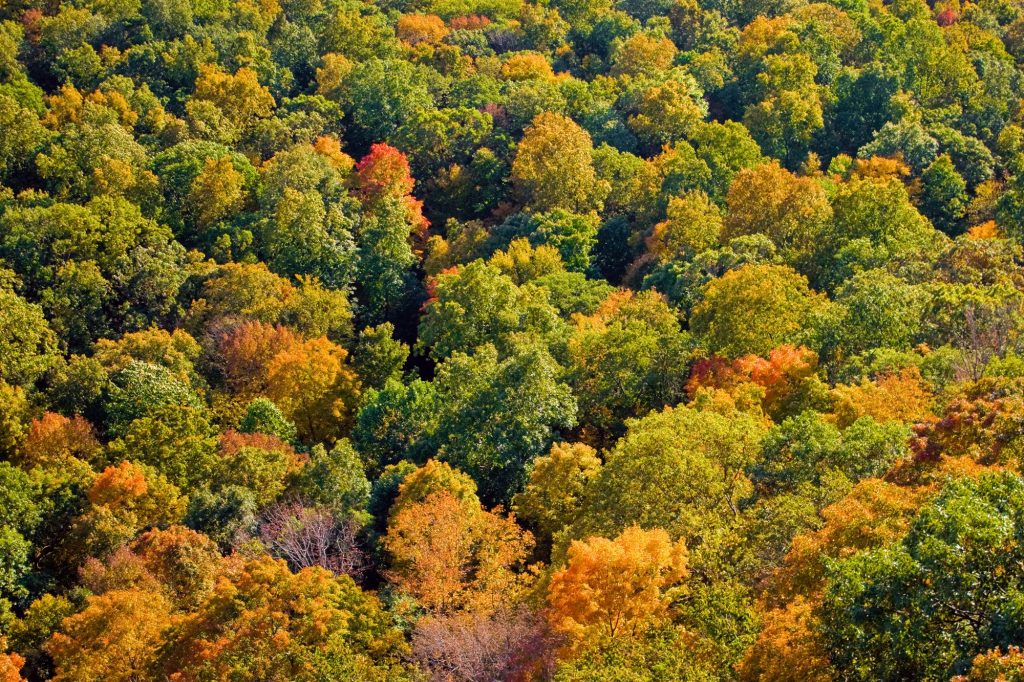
[
  {"x": 792, "y": 211},
  {"x": 554, "y": 492},
  {"x": 553, "y": 166},
  {"x": 314, "y": 388},
  {"x": 616, "y": 588}
]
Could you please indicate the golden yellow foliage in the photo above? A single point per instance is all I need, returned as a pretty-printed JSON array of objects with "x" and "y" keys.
[{"x": 616, "y": 588}]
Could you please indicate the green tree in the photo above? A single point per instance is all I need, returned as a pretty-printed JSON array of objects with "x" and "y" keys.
[
  {"x": 951, "y": 589},
  {"x": 553, "y": 166},
  {"x": 944, "y": 195},
  {"x": 498, "y": 414},
  {"x": 680, "y": 469},
  {"x": 753, "y": 309},
  {"x": 478, "y": 304}
]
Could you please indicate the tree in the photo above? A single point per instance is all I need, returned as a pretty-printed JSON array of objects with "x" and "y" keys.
[
  {"x": 682, "y": 470},
  {"x": 881, "y": 311},
  {"x": 53, "y": 439},
  {"x": 312, "y": 536},
  {"x": 944, "y": 195},
  {"x": 116, "y": 637},
  {"x": 24, "y": 135},
  {"x": 451, "y": 555},
  {"x": 553, "y": 494},
  {"x": 179, "y": 442},
  {"x": 893, "y": 396},
  {"x": 397, "y": 423},
  {"x": 240, "y": 97},
  {"x": 510, "y": 643},
  {"x": 754, "y": 308},
  {"x": 692, "y": 224},
  {"x": 792, "y": 211},
  {"x": 944, "y": 594},
  {"x": 27, "y": 344},
  {"x": 617, "y": 588},
  {"x": 790, "y": 110},
  {"x": 378, "y": 356},
  {"x": 626, "y": 359},
  {"x": 668, "y": 112},
  {"x": 476, "y": 305},
  {"x": 314, "y": 388},
  {"x": 725, "y": 148},
  {"x": 123, "y": 500},
  {"x": 334, "y": 480},
  {"x": 553, "y": 166},
  {"x": 257, "y": 462},
  {"x": 496, "y": 415},
  {"x": 382, "y": 93},
  {"x": 874, "y": 226},
  {"x": 322, "y": 624},
  {"x": 263, "y": 416},
  {"x": 141, "y": 387},
  {"x": 788, "y": 645},
  {"x": 384, "y": 239}
]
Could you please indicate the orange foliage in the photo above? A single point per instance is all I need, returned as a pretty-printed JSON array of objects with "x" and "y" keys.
[
  {"x": 787, "y": 648},
  {"x": 53, "y": 437},
  {"x": 879, "y": 167},
  {"x": 873, "y": 514},
  {"x": 420, "y": 28},
  {"x": 901, "y": 396},
  {"x": 116, "y": 638},
  {"x": 981, "y": 422},
  {"x": 245, "y": 354},
  {"x": 139, "y": 499},
  {"x": 10, "y": 665},
  {"x": 472, "y": 22},
  {"x": 118, "y": 485},
  {"x": 985, "y": 230},
  {"x": 615, "y": 588},
  {"x": 329, "y": 147},
  {"x": 780, "y": 375},
  {"x": 996, "y": 666},
  {"x": 452, "y": 557},
  {"x": 232, "y": 441}
]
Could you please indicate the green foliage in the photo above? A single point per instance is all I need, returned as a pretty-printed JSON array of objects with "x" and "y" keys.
[
  {"x": 744, "y": 274},
  {"x": 263, "y": 416},
  {"x": 950, "y": 589}
]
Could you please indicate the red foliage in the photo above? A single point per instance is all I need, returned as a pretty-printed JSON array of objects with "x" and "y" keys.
[
  {"x": 32, "y": 20},
  {"x": 947, "y": 17},
  {"x": 384, "y": 171},
  {"x": 713, "y": 372},
  {"x": 245, "y": 352},
  {"x": 780, "y": 374}
]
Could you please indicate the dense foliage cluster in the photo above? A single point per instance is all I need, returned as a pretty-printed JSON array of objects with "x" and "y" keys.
[{"x": 475, "y": 340}]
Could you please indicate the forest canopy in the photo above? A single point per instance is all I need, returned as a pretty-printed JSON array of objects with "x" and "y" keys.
[{"x": 518, "y": 340}]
